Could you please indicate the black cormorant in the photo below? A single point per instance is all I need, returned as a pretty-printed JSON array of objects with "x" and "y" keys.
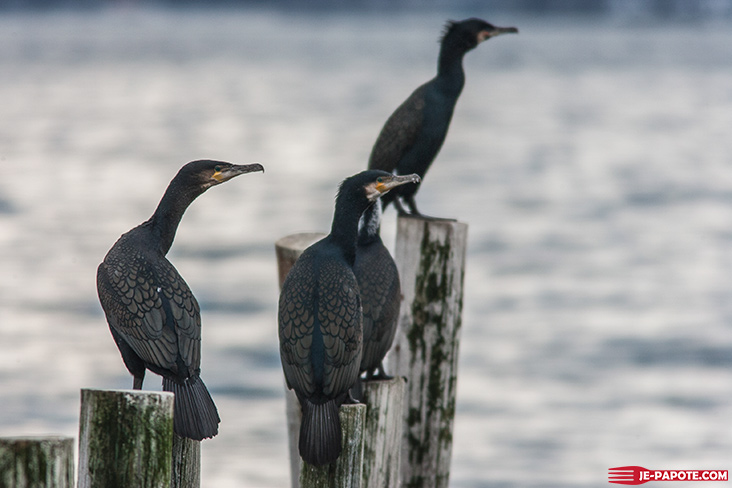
[
  {"x": 320, "y": 318},
  {"x": 154, "y": 317},
  {"x": 378, "y": 280},
  {"x": 414, "y": 133}
]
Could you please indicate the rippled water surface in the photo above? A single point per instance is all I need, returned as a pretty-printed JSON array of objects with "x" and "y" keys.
[{"x": 592, "y": 161}]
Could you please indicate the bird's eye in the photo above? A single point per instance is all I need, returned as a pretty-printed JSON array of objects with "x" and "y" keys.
[
  {"x": 218, "y": 168},
  {"x": 379, "y": 180}
]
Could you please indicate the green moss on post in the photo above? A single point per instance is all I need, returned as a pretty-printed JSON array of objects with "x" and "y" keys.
[
  {"x": 346, "y": 472},
  {"x": 125, "y": 439},
  {"x": 430, "y": 256},
  {"x": 30, "y": 462}
]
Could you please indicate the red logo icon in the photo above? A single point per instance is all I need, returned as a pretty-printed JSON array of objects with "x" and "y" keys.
[{"x": 637, "y": 475}]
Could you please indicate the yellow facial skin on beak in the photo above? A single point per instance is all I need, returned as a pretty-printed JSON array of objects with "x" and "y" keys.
[
  {"x": 218, "y": 176},
  {"x": 381, "y": 187}
]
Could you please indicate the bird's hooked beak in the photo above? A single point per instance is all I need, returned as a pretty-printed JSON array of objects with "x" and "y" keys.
[
  {"x": 389, "y": 182},
  {"x": 496, "y": 31},
  {"x": 229, "y": 172}
]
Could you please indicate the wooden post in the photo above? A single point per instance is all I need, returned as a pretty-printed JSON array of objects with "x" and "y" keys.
[
  {"x": 186, "y": 463},
  {"x": 32, "y": 462},
  {"x": 346, "y": 472},
  {"x": 288, "y": 249},
  {"x": 383, "y": 436},
  {"x": 430, "y": 256},
  {"x": 125, "y": 439}
]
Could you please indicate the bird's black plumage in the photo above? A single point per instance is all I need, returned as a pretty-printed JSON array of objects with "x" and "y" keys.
[
  {"x": 378, "y": 280},
  {"x": 152, "y": 314},
  {"x": 320, "y": 319},
  {"x": 415, "y": 132}
]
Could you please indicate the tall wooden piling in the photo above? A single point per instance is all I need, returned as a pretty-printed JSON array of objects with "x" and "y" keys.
[
  {"x": 288, "y": 249},
  {"x": 346, "y": 472},
  {"x": 383, "y": 436},
  {"x": 430, "y": 256},
  {"x": 125, "y": 439},
  {"x": 186, "y": 463},
  {"x": 33, "y": 462}
]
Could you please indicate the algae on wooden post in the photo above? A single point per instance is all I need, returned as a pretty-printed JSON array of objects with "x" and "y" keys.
[
  {"x": 30, "y": 462},
  {"x": 125, "y": 439},
  {"x": 430, "y": 256}
]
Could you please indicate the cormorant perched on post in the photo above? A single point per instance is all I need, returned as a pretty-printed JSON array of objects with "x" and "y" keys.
[
  {"x": 154, "y": 318},
  {"x": 378, "y": 280},
  {"x": 414, "y": 133},
  {"x": 320, "y": 318}
]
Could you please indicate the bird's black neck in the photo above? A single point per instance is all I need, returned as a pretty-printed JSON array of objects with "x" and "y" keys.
[
  {"x": 450, "y": 73},
  {"x": 170, "y": 211},
  {"x": 344, "y": 230}
]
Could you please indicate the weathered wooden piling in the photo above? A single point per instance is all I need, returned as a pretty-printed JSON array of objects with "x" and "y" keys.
[
  {"x": 346, "y": 472},
  {"x": 35, "y": 462},
  {"x": 125, "y": 439},
  {"x": 287, "y": 250},
  {"x": 383, "y": 432},
  {"x": 186, "y": 463},
  {"x": 430, "y": 256}
]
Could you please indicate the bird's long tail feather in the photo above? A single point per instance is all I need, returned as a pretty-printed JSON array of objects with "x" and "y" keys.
[
  {"x": 320, "y": 432},
  {"x": 195, "y": 415}
]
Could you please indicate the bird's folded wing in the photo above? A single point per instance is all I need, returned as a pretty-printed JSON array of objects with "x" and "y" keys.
[
  {"x": 296, "y": 321},
  {"x": 154, "y": 311},
  {"x": 340, "y": 318},
  {"x": 399, "y": 132}
]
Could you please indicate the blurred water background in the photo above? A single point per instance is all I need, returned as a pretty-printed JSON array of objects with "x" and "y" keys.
[{"x": 591, "y": 156}]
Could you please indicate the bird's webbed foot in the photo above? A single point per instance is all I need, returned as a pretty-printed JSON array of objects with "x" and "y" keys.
[
  {"x": 350, "y": 400},
  {"x": 380, "y": 374},
  {"x": 412, "y": 206},
  {"x": 377, "y": 374},
  {"x": 414, "y": 211},
  {"x": 437, "y": 219},
  {"x": 400, "y": 208}
]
